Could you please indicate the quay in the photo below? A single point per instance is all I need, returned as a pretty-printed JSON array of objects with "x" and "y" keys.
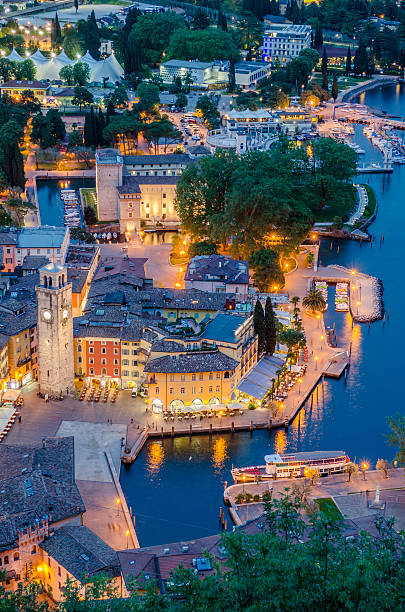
[{"x": 355, "y": 498}]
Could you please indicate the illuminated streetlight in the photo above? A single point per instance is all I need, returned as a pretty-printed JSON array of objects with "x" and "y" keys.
[
  {"x": 118, "y": 502},
  {"x": 316, "y": 362},
  {"x": 127, "y": 534},
  {"x": 299, "y": 389},
  {"x": 364, "y": 467},
  {"x": 353, "y": 272}
]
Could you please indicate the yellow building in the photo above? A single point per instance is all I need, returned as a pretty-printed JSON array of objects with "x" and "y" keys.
[
  {"x": 4, "y": 371},
  {"x": 195, "y": 378}
]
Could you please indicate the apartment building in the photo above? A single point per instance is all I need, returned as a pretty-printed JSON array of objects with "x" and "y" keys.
[{"x": 283, "y": 42}]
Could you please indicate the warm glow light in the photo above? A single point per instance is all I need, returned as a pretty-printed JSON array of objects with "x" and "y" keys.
[
  {"x": 182, "y": 252},
  {"x": 177, "y": 285},
  {"x": 181, "y": 270},
  {"x": 353, "y": 272},
  {"x": 318, "y": 316},
  {"x": 300, "y": 380},
  {"x": 313, "y": 236},
  {"x": 127, "y": 532},
  {"x": 316, "y": 358},
  {"x": 364, "y": 466},
  {"x": 118, "y": 501}
]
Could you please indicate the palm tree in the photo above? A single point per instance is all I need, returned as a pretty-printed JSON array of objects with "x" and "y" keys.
[{"x": 314, "y": 301}]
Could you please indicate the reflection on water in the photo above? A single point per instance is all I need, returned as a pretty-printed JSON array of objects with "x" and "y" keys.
[
  {"x": 154, "y": 238},
  {"x": 181, "y": 499},
  {"x": 156, "y": 456},
  {"x": 49, "y": 200},
  {"x": 219, "y": 453}
]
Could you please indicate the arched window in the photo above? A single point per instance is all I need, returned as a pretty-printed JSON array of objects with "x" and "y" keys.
[
  {"x": 45, "y": 281},
  {"x": 50, "y": 282}
]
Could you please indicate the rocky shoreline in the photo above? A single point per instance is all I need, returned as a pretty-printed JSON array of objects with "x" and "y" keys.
[{"x": 377, "y": 312}]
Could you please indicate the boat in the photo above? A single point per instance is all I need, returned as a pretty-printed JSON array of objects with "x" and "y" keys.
[
  {"x": 322, "y": 286},
  {"x": 293, "y": 465},
  {"x": 342, "y": 297}
]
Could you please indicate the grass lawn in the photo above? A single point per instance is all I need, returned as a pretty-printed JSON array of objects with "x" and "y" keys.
[
  {"x": 328, "y": 507},
  {"x": 372, "y": 202},
  {"x": 343, "y": 208},
  {"x": 89, "y": 197},
  {"x": 344, "y": 82}
]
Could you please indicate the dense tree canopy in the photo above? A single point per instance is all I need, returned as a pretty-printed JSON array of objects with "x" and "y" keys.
[
  {"x": 203, "y": 45},
  {"x": 154, "y": 31},
  {"x": 244, "y": 200}
]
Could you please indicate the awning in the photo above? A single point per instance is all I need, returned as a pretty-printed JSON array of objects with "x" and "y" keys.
[
  {"x": 10, "y": 395},
  {"x": 260, "y": 378}
]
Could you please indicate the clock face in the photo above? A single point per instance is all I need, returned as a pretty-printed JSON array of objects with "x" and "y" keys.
[
  {"x": 65, "y": 313},
  {"x": 47, "y": 315}
]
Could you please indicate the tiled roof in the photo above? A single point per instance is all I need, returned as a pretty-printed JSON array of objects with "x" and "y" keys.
[
  {"x": 130, "y": 267},
  {"x": 217, "y": 268},
  {"x": 78, "y": 279},
  {"x": 3, "y": 341},
  {"x": 80, "y": 552},
  {"x": 37, "y": 483},
  {"x": 7, "y": 238},
  {"x": 130, "y": 185},
  {"x": 41, "y": 237},
  {"x": 168, "y": 346},
  {"x": 25, "y": 84},
  {"x": 192, "y": 362},
  {"x": 34, "y": 262}
]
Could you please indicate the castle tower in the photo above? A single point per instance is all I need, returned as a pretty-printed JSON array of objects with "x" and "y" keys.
[
  {"x": 109, "y": 164},
  {"x": 55, "y": 331}
]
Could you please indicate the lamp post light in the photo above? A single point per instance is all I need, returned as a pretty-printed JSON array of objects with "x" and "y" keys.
[
  {"x": 118, "y": 502},
  {"x": 322, "y": 339},
  {"x": 127, "y": 534},
  {"x": 243, "y": 488},
  {"x": 299, "y": 388},
  {"x": 316, "y": 362},
  {"x": 364, "y": 467}
]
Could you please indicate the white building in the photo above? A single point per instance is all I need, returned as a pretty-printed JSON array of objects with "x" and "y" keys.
[
  {"x": 246, "y": 131},
  {"x": 203, "y": 74},
  {"x": 284, "y": 42},
  {"x": 248, "y": 74}
]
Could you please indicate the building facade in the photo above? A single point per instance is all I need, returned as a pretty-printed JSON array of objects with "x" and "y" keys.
[
  {"x": 55, "y": 331},
  {"x": 283, "y": 42},
  {"x": 43, "y": 241}
]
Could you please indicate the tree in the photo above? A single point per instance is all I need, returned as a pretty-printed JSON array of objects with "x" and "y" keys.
[
  {"x": 325, "y": 82},
  {"x": 334, "y": 90},
  {"x": 119, "y": 97},
  {"x": 88, "y": 131},
  {"x": 361, "y": 60},
  {"x": 348, "y": 61},
  {"x": 153, "y": 33},
  {"x": 56, "y": 125},
  {"x": 204, "y": 45},
  {"x": 39, "y": 122},
  {"x": 25, "y": 70},
  {"x": 148, "y": 95},
  {"x": 396, "y": 437},
  {"x": 270, "y": 327},
  {"x": 384, "y": 466},
  {"x": 324, "y": 66},
  {"x": 209, "y": 111},
  {"x": 18, "y": 208},
  {"x": 314, "y": 301},
  {"x": 293, "y": 339},
  {"x": 313, "y": 474},
  {"x": 81, "y": 73},
  {"x": 11, "y": 159},
  {"x": 56, "y": 33},
  {"x": 259, "y": 327},
  {"x": 82, "y": 97},
  {"x": 232, "y": 76},
  {"x": 81, "y": 235},
  {"x": 308, "y": 98},
  {"x": 200, "y": 19},
  {"x": 351, "y": 468},
  {"x": 181, "y": 100},
  {"x": 267, "y": 275},
  {"x": 75, "y": 139},
  {"x": 46, "y": 140},
  {"x": 202, "y": 248},
  {"x": 318, "y": 42},
  {"x": 221, "y": 21},
  {"x": 333, "y": 166},
  {"x": 66, "y": 75}
]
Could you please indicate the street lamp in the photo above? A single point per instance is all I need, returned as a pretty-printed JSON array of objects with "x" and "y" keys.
[
  {"x": 118, "y": 501},
  {"x": 299, "y": 389},
  {"x": 316, "y": 362},
  {"x": 322, "y": 339},
  {"x": 127, "y": 534},
  {"x": 364, "y": 467},
  {"x": 243, "y": 488}
]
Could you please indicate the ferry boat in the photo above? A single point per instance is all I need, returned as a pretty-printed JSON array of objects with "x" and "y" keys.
[{"x": 292, "y": 465}]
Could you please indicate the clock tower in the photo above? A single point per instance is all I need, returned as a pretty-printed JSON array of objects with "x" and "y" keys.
[{"x": 55, "y": 331}]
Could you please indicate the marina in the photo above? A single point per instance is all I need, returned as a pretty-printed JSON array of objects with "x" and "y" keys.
[{"x": 335, "y": 415}]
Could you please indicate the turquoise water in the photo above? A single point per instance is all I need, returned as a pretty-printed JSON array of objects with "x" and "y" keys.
[{"x": 175, "y": 486}]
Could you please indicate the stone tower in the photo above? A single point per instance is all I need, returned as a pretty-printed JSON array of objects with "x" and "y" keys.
[
  {"x": 55, "y": 331},
  {"x": 109, "y": 164}
]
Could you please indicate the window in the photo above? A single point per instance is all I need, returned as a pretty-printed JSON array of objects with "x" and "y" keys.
[
  {"x": 193, "y": 377},
  {"x": 134, "y": 352},
  {"x": 115, "y": 371},
  {"x": 182, "y": 378},
  {"x": 79, "y": 360},
  {"x": 91, "y": 349},
  {"x": 125, "y": 373},
  {"x": 91, "y": 372},
  {"x": 91, "y": 360},
  {"x": 201, "y": 389},
  {"x": 103, "y": 350},
  {"x": 182, "y": 390},
  {"x": 6, "y": 560},
  {"x": 103, "y": 361},
  {"x": 157, "y": 390},
  {"x": 16, "y": 556},
  {"x": 218, "y": 375},
  {"x": 79, "y": 348},
  {"x": 171, "y": 378},
  {"x": 201, "y": 377},
  {"x": 163, "y": 195},
  {"x": 125, "y": 362},
  {"x": 211, "y": 376},
  {"x": 209, "y": 389},
  {"x": 171, "y": 391},
  {"x": 103, "y": 372},
  {"x": 217, "y": 388},
  {"x": 115, "y": 361},
  {"x": 134, "y": 362},
  {"x": 125, "y": 352},
  {"x": 115, "y": 351}
]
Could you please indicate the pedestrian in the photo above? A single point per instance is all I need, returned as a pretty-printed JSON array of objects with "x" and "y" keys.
[
  {"x": 19, "y": 418},
  {"x": 132, "y": 420}
]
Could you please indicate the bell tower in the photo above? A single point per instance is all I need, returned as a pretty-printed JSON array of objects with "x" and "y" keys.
[{"x": 55, "y": 331}]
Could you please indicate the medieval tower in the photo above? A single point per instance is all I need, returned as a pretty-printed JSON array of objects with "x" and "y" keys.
[{"x": 55, "y": 331}]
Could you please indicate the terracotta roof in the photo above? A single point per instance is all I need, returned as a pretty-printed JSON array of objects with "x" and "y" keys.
[{"x": 204, "y": 361}]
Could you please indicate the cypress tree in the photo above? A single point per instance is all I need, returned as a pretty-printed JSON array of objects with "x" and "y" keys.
[
  {"x": 110, "y": 110},
  {"x": 318, "y": 42},
  {"x": 325, "y": 83},
  {"x": 259, "y": 326},
  {"x": 56, "y": 32},
  {"x": 88, "y": 133},
  {"x": 232, "y": 78},
  {"x": 348, "y": 61},
  {"x": 334, "y": 89},
  {"x": 270, "y": 327},
  {"x": 94, "y": 130},
  {"x": 324, "y": 62},
  {"x": 100, "y": 127}
]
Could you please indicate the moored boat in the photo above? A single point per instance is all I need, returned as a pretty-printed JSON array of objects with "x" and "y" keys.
[{"x": 293, "y": 465}]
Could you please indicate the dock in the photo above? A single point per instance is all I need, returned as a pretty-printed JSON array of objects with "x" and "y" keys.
[
  {"x": 136, "y": 447},
  {"x": 337, "y": 365},
  {"x": 374, "y": 169}
]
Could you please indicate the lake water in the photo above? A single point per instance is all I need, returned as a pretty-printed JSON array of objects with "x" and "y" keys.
[
  {"x": 175, "y": 487},
  {"x": 49, "y": 201}
]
